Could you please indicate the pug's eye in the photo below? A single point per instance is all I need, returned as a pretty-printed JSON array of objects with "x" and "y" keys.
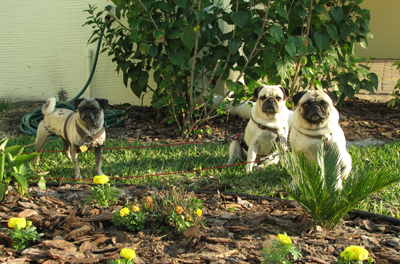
[
  {"x": 306, "y": 104},
  {"x": 263, "y": 97},
  {"x": 278, "y": 98},
  {"x": 325, "y": 104}
]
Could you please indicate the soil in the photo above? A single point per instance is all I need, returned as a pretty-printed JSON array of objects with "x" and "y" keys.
[{"x": 237, "y": 227}]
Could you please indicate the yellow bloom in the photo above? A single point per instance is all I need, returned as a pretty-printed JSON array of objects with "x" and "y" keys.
[
  {"x": 284, "y": 239},
  {"x": 124, "y": 211},
  {"x": 102, "y": 179},
  {"x": 196, "y": 28},
  {"x": 355, "y": 253},
  {"x": 13, "y": 222},
  {"x": 188, "y": 218},
  {"x": 199, "y": 212},
  {"x": 128, "y": 253},
  {"x": 179, "y": 209},
  {"x": 136, "y": 208}
]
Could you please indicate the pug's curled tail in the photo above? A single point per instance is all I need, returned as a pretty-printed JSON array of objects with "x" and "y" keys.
[{"x": 49, "y": 106}]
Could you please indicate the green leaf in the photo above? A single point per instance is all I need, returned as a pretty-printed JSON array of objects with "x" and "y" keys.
[
  {"x": 158, "y": 34},
  {"x": 277, "y": 33},
  {"x": 180, "y": 100},
  {"x": 199, "y": 15},
  {"x": 15, "y": 150},
  {"x": 165, "y": 7},
  {"x": 337, "y": 13},
  {"x": 153, "y": 51},
  {"x": 374, "y": 79},
  {"x": 332, "y": 31},
  {"x": 21, "y": 182},
  {"x": 239, "y": 18},
  {"x": 162, "y": 102},
  {"x": 24, "y": 169},
  {"x": 42, "y": 183},
  {"x": 3, "y": 144},
  {"x": 2, "y": 190},
  {"x": 174, "y": 34},
  {"x": 321, "y": 39},
  {"x": 282, "y": 12},
  {"x": 188, "y": 37},
  {"x": 180, "y": 3},
  {"x": 231, "y": 85},
  {"x": 25, "y": 158},
  {"x": 143, "y": 79},
  {"x": 291, "y": 49},
  {"x": 136, "y": 89},
  {"x": 234, "y": 45}
]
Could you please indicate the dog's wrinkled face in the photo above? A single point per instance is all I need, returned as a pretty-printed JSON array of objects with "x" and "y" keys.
[
  {"x": 270, "y": 98},
  {"x": 90, "y": 110},
  {"x": 314, "y": 106}
]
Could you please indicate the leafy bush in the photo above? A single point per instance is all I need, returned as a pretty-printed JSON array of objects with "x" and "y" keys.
[
  {"x": 191, "y": 48},
  {"x": 395, "y": 102},
  {"x": 315, "y": 188},
  {"x": 14, "y": 169}
]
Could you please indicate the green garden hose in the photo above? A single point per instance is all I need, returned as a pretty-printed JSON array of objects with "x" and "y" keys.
[{"x": 31, "y": 120}]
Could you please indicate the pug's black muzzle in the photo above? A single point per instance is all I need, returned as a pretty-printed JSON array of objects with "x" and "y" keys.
[
  {"x": 89, "y": 117},
  {"x": 270, "y": 106},
  {"x": 315, "y": 113}
]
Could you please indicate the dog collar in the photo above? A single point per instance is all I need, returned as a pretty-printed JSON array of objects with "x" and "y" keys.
[
  {"x": 327, "y": 140},
  {"x": 279, "y": 138},
  {"x": 87, "y": 139}
]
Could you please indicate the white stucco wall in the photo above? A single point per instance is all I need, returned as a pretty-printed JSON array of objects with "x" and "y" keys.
[{"x": 43, "y": 50}]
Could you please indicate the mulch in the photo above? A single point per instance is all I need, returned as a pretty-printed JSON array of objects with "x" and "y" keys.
[{"x": 237, "y": 227}]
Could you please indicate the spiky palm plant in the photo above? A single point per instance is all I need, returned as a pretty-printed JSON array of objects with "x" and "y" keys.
[{"x": 318, "y": 188}]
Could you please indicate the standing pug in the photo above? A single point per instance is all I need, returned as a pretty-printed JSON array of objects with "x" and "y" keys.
[
  {"x": 79, "y": 130},
  {"x": 315, "y": 121},
  {"x": 268, "y": 123}
]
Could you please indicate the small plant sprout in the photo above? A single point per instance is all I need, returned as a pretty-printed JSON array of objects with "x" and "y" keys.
[
  {"x": 128, "y": 256},
  {"x": 354, "y": 254},
  {"x": 22, "y": 232},
  {"x": 280, "y": 250},
  {"x": 103, "y": 193}
]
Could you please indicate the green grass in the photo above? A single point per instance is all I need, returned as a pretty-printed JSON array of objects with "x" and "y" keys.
[
  {"x": 180, "y": 158},
  {"x": 5, "y": 105}
]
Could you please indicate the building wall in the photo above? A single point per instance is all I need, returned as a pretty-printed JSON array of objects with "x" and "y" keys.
[
  {"x": 43, "y": 51},
  {"x": 385, "y": 26}
]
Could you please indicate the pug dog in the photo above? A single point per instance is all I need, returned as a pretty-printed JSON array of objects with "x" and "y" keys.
[
  {"x": 315, "y": 121},
  {"x": 80, "y": 130},
  {"x": 268, "y": 123}
]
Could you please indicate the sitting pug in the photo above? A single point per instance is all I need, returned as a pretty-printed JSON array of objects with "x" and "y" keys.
[
  {"x": 315, "y": 121},
  {"x": 268, "y": 123},
  {"x": 79, "y": 130}
]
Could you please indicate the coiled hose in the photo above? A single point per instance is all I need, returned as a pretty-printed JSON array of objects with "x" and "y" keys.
[{"x": 31, "y": 120}]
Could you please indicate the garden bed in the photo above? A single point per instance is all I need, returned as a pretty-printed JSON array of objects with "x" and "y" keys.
[{"x": 237, "y": 228}]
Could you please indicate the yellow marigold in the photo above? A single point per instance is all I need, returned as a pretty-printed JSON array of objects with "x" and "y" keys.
[
  {"x": 284, "y": 239},
  {"x": 13, "y": 222},
  {"x": 102, "y": 179},
  {"x": 136, "y": 208},
  {"x": 128, "y": 253},
  {"x": 199, "y": 212},
  {"x": 355, "y": 253},
  {"x": 179, "y": 209},
  {"x": 124, "y": 211}
]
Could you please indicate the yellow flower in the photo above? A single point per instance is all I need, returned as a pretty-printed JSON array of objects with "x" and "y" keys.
[
  {"x": 128, "y": 253},
  {"x": 102, "y": 179},
  {"x": 179, "y": 209},
  {"x": 196, "y": 28},
  {"x": 124, "y": 211},
  {"x": 199, "y": 212},
  {"x": 13, "y": 222},
  {"x": 284, "y": 239},
  {"x": 188, "y": 218},
  {"x": 355, "y": 253},
  {"x": 136, "y": 208}
]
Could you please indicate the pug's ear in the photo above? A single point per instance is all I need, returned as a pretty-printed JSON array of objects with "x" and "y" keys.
[
  {"x": 256, "y": 91},
  {"x": 77, "y": 102},
  {"x": 331, "y": 95},
  {"x": 296, "y": 98},
  {"x": 102, "y": 102},
  {"x": 285, "y": 91}
]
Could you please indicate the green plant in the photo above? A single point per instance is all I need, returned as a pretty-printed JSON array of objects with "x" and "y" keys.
[
  {"x": 167, "y": 209},
  {"x": 280, "y": 249},
  {"x": 103, "y": 193},
  {"x": 194, "y": 48},
  {"x": 5, "y": 105},
  {"x": 22, "y": 232},
  {"x": 395, "y": 102},
  {"x": 14, "y": 169},
  {"x": 354, "y": 254},
  {"x": 315, "y": 186}
]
